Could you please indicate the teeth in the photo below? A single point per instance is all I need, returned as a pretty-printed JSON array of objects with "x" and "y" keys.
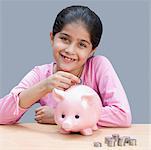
[{"x": 70, "y": 59}]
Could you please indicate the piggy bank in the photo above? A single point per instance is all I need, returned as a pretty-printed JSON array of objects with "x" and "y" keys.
[{"x": 78, "y": 109}]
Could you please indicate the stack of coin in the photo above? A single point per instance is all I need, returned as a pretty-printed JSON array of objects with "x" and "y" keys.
[
  {"x": 121, "y": 141},
  {"x": 111, "y": 142},
  {"x": 115, "y": 139},
  {"x": 107, "y": 139},
  {"x": 132, "y": 142},
  {"x": 97, "y": 144}
]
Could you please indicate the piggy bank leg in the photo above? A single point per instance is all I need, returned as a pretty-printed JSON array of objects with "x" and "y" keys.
[
  {"x": 87, "y": 131},
  {"x": 64, "y": 131},
  {"x": 95, "y": 127}
]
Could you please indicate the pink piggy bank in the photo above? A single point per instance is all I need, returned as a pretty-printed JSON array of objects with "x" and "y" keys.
[{"x": 78, "y": 109}]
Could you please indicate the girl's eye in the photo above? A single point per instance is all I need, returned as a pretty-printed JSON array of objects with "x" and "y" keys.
[
  {"x": 64, "y": 39},
  {"x": 77, "y": 116},
  {"x": 63, "y": 116},
  {"x": 83, "y": 45}
]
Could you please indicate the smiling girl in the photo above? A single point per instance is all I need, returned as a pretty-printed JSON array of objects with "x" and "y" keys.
[{"x": 76, "y": 34}]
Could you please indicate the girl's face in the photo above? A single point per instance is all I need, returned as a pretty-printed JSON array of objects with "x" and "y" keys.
[{"x": 71, "y": 48}]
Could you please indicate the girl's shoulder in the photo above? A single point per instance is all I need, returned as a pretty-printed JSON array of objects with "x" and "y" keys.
[
  {"x": 100, "y": 58},
  {"x": 99, "y": 61},
  {"x": 44, "y": 70}
]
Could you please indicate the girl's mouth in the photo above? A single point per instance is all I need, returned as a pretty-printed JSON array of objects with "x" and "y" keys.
[{"x": 67, "y": 59}]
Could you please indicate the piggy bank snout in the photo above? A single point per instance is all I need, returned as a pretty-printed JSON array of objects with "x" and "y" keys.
[{"x": 67, "y": 125}]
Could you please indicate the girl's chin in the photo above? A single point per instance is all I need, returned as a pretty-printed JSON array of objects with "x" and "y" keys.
[{"x": 66, "y": 68}]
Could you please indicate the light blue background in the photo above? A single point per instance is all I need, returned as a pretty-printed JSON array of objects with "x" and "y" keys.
[{"x": 24, "y": 43}]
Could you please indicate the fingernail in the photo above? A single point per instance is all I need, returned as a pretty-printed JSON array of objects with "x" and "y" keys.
[{"x": 80, "y": 81}]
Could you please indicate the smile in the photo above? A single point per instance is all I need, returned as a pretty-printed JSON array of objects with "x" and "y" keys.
[{"x": 67, "y": 59}]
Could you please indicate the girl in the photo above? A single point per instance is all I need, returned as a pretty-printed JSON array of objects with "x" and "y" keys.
[{"x": 76, "y": 34}]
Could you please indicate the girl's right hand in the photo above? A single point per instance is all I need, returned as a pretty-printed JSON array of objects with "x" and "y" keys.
[{"x": 61, "y": 80}]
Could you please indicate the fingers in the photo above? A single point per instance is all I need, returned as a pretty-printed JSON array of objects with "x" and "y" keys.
[
  {"x": 44, "y": 119},
  {"x": 71, "y": 77},
  {"x": 64, "y": 80},
  {"x": 38, "y": 117},
  {"x": 61, "y": 80},
  {"x": 44, "y": 114},
  {"x": 63, "y": 86},
  {"x": 39, "y": 109},
  {"x": 39, "y": 113}
]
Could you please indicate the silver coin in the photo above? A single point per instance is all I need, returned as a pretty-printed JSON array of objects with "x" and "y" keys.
[
  {"x": 97, "y": 144},
  {"x": 111, "y": 142},
  {"x": 116, "y": 137},
  {"x": 132, "y": 142}
]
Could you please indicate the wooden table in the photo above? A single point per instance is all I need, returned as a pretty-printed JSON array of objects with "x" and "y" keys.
[{"x": 33, "y": 136}]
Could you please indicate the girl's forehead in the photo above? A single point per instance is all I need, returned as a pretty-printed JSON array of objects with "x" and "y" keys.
[
  {"x": 77, "y": 24},
  {"x": 76, "y": 29}
]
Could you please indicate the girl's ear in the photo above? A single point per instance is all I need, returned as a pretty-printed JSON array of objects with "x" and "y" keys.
[
  {"x": 51, "y": 38},
  {"x": 92, "y": 53}
]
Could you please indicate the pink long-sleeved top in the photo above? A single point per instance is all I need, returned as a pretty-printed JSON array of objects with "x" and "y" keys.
[{"x": 98, "y": 73}]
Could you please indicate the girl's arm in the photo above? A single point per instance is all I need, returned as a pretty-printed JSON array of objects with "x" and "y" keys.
[
  {"x": 116, "y": 110},
  {"x": 34, "y": 85},
  {"x": 11, "y": 108},
  {"x": 31, "y": 95}
]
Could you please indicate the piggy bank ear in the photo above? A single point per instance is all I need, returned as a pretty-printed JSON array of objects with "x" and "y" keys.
[
  {"x": 87, "y": 100},
  {"x": 58, "y": 94}
]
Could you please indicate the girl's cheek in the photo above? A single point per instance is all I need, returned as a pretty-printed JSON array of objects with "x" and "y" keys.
[
  {"x": 84, "y": 56},
  {"x": 60, "y": 45}
]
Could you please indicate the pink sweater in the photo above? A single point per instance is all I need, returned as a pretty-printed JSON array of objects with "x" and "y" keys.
[{"x": 98, "y": 74}]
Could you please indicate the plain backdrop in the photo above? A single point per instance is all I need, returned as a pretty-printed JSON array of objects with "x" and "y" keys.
[{"x": 24, "y": 43}]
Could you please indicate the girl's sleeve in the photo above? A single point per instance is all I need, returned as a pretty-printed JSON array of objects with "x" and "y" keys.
[
  {"x": 10, "y": 111},
  {"x": 116, "y": 110}
]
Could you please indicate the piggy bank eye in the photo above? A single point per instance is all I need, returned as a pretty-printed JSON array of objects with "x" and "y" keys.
[
  {"x": 63, "y": 116},
  {"x": 77, "y": 116}
]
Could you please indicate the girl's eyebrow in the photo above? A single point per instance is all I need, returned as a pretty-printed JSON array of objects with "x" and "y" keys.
[
  {"x": 85, "y": 41},
  {"x": 65, "y": 34},
  {"x": 70, "y": 36}
]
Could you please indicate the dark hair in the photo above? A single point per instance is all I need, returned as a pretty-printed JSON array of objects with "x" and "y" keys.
[{"x": 83, "y": 14}]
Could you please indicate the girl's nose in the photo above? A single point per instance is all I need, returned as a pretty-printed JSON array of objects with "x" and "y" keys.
[{"x": 70, "y": 49}]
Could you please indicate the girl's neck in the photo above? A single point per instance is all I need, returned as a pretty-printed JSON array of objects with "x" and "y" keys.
[{"x": 77, "y": 73}]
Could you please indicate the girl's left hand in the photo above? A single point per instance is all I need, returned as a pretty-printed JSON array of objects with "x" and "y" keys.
[{"x": 44, "y": 114}]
